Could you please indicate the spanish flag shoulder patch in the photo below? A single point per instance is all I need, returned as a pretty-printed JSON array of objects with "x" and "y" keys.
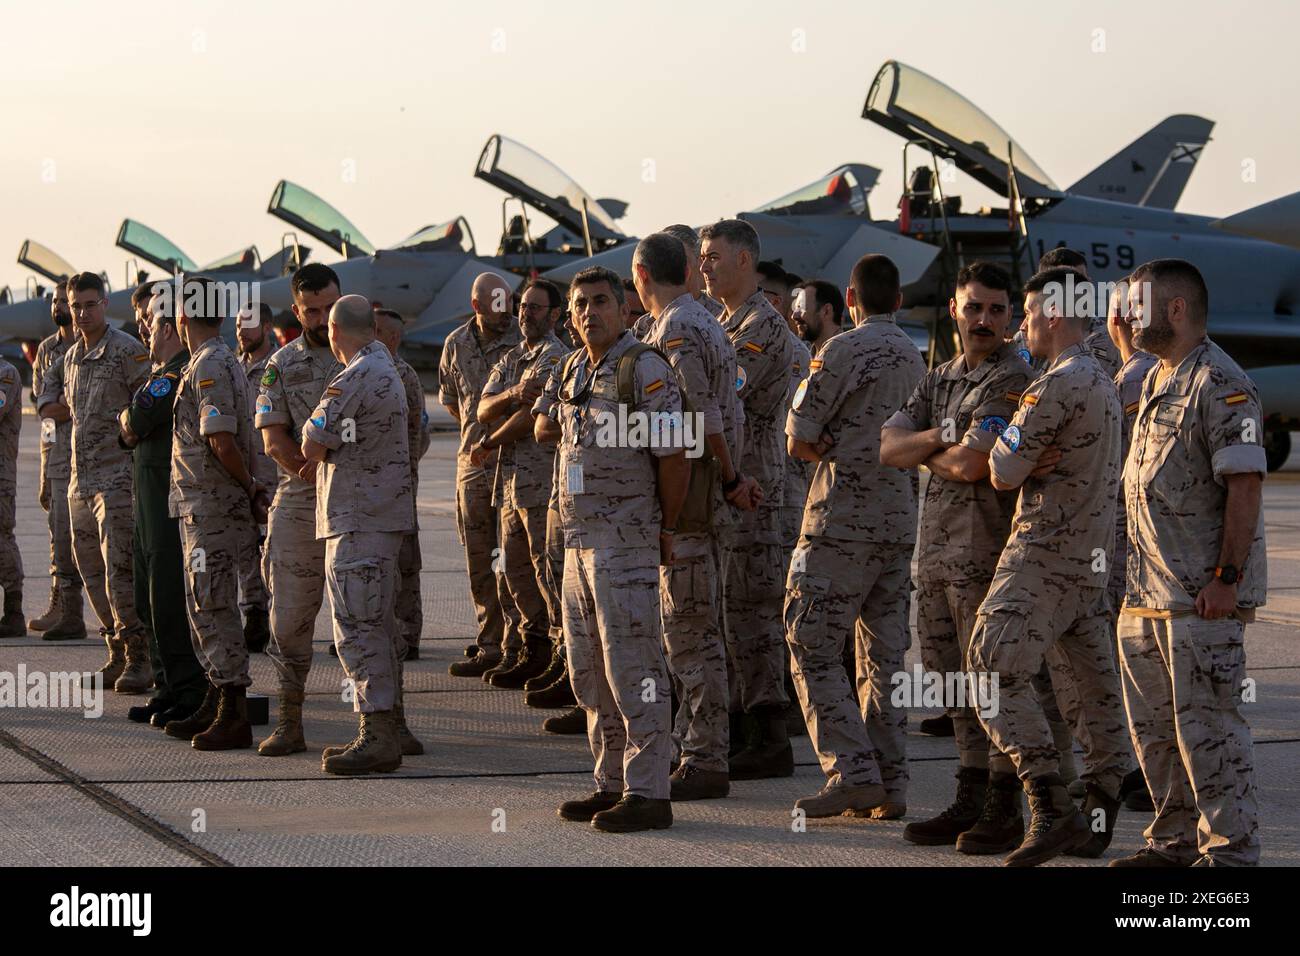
[
  {"x": 1030, "y": 400},
  {"x": 815, "y": 365},
  {"x": 1236, "y": 398},
  {"x": 1013, "y": 396},
  {"x": 205, "y": 382},
  {"x": 754, "y": 347},
  {"x": 1131, "y": 408},
  {"x": 142, "y": 357},
  {"x": 674, "y": 343},
  {"x": 654, "y": 386},
  {"x": 333, "y": 392}
]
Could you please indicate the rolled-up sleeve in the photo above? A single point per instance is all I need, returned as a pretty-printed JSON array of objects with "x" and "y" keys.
[
  {"x": 819, "y": 396},
  {"x": 218, "y": 411},
  {"x": 271, "y": 406},
  {"x": 1033, "y": 428},
  {"x": 996, "y": 409},
  {"x": 661, "y": 401},
  {"x": 1234, "y": 429},
  {"x": 339, "y": 401}
]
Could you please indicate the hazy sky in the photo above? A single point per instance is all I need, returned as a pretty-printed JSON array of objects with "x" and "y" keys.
[{"x": 185, "y": 114}]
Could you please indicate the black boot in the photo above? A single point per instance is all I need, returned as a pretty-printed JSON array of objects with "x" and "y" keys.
[
  {"x": 557, "y": 694},
  {"x": 943, "y": 830},
  {"x": 14, "y": 622},
  {"x": 581, "y": 811},
  {"x": 532, "y": 662},
  {"x": 940, "y": 726},
  {"x": 1134, "y": 793},
  {"x": 143, "y": 713},
  {"x": 1100, "y": 810},
  {"x": 175, "y": 712},
  {"x": 740, "y": 728},
  {"x": 633, "y": 813},
  {"x": 1001, "y": 825},
  {"x": 199, "y": 720},
  {"x": 509, "y": 659},
  {"x": 769, "y": 753},
  {"x": 570, "y": 722},
  {"x": 555, "y": 667},
  {"x": 257, "y": 630},
  {"x": 1056, "y": 826},
  {"x": 475, "y": 666}
]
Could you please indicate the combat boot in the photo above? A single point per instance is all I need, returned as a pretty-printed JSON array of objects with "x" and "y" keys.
[
  {"x": 137, "y": 676},
  {"x": 692, "y": 783},
  {"x": 769, "y": 753},
  {"x": 943, "y": 830},
  {"x": 581, "y": 811},
  {"x": 1056, "y": 826},
  {"x": 533, "y": 661},
  {"x": 112, "y": 668},
  {"x": 412, "y": 652},
  {"x": 1147, "y": 858},
  {"x": 257, "y": 630},
  {"x": 471, "y": 651},
  {"x": 14, "y": 622},
  {"x": 1099, "y": 809},
  {"x": 834, "y": 798},
  {"x": 71, "y": 625},
  {"x": 143, "y": 713},
  {"x": 509, "y": 660},
  {"x": 476, "y": 666},
  {"x": 174, "y": 712},
  {"x": 408, "y": 743},
  {"x": 940, "y": 726},
  {"x": 50, "y": 617},
  {"x": 570, "y": 722},
  {"x": 376, "y": 749},
  {"x": 287, "y": 737},
  {"x": 634, "y": 813},
  {"x": 1133, "y": 791},
  {"x": 199, "y": 720},
  {"x": 1001, "y": 825},
  {"x": 559, "y": 693},
  {"x": 554, "y": 669},
  {"x": 231, "y": 730},
  {"x": 740, "y": 728}
]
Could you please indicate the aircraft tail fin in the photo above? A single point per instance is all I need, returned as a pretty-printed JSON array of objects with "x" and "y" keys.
[
  {"x": 1153, "y": 169},
  {"x": 1275, "y": 221}
]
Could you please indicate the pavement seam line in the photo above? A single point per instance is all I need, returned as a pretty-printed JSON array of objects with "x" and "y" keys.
[{"x": 114, "y": 804}]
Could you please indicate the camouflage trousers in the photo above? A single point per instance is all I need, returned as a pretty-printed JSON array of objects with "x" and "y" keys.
[
  {"x": 11, "y": 561},
  {"x": 63, "y": 567},
  {"x": 697, "y": 659},
  {"x": 476, "y": 525},
  {"x": 553, "y": 587},
  {"x": 1024, "y": 620},
  {"x": 102, "y": 547},
  {"x": 409, "y": 606},
  {"x": 1183, "y": 679},
  {"x": 210, "y": 548},
  {"x": 834, "y": 587},
  {"x": 616, "y": 666},
  {"x": 293, "y": 566},
  {"x": 945, "y": 622},
  {"x": 361, "y": 571},
  {"x": 521, "y": 581},
  {"x": 752, "y": 591},
  {"x": 252, "y": 589}
]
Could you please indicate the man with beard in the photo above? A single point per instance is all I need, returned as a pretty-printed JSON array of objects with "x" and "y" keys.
[
  {"x": 64, "y": 620},
  {"x": 101, "y": 372},
  {"x": 253, "y": 336},
  {"x": 468, "y": 356},
  {"x": 1197, "y": 570},
  {"x": 817, "y": 313},
  {"x": 294, "y": 564},
  {"x": 752, "y": 547}
]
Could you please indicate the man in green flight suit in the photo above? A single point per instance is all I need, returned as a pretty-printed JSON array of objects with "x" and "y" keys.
[{"x": 146, "y": 426}]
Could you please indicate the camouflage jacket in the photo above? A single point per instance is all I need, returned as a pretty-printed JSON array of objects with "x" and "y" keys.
[
  {"x": 463, "y": 370},
  {"x": 290, "y": 390},
  {"x": 524, "y": 468},
  {"x": 211, "y": 399}
]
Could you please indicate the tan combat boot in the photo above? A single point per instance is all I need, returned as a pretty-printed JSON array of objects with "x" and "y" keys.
[
  {"x": 53, "y": 615},
  {"x": 410, "y": 744},
  {"x": 137, "y": 676},
  {"x": 112, "y": 668},
  {"x": 71, "y": 625},
  {"x": 375, "y": 750},
  {"x": 287, "y": 737},
  {"x": 231, "y": 730}
]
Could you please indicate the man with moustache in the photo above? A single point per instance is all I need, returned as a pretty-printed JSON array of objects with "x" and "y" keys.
[
  {"x": 256, "y": 343},
  {"x": 293, "y": 566},
  {"x": 468, "y": 356},
  {"x": 102, "y": 370},
  {"x": 1197, "y": 571},
  {"x": 64, "y": 620}
]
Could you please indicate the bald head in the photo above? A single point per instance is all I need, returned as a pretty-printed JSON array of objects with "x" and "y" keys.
[{"x": 351, "y": 326}]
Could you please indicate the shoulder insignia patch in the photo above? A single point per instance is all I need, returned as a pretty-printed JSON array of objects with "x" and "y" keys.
[
  {"x": 1131, "y": 407},
  {"x": 799, "y": 394},
  {"x": 142, "y": 357},
  {"x": 995, "y": 424},
  {"x": 205, "y": 382},
  {"x": 209, "y": 411},
  {"x": 754, "y": 347},
  {"x": 1013, "y": 396},
  {"x": 1011, "y": 435},
  {"x": 1030, "y": 400},
  {"x": 674, "y": 343},
  {"x": 1236, "y": 398},
  {"x": 263, "y": 405},
  {"x": 270, "y": 375},
  {"x": 333, "y": 392},
  {"x": 741, "y": 377},
  {"x": 654, "y": 386},
  {"x": 815, "y": 365},
  {"x": 159, "y": 387}
]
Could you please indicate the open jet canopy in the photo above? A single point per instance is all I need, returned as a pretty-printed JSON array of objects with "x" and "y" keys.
[
  {"x": 841, "y": 192},
  {"x": 916, "y": 106},
  {"x": 247, "y": 259},
  {"x": 515, "y": 169},
  {"x": 139, "y": 240},
  {"x": 304, "y": 210},
  {"x": 450, "y": 236},
  {"x": 44, "y": 261}
]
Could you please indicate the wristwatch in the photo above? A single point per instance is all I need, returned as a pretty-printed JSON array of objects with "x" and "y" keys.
[{"x": 1228, "y": 573}]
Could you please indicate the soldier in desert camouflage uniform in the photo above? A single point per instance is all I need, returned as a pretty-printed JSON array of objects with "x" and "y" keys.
[
  {"x": 522, "y": 481},
  {"x": 752, "y": 547},
  {"x": 256, "y": 343},
  {"x": 850, "y": 571},
  {"x": 467, "y": 359},
  {"x": 214, "y": 497},
  {"x": 14, "y": 623},
  {"x": 293, "y": 565},
  {"x": 1197, "y": 570},
  {"x": 950, "y": 425},
  {"x": 101, "y": 372},
  {"x": 364, "y": 506},
  {"x": 64, "y": 620},
  {"x": 618, "y": 504},
  {"x": 705, "y": 362},
  {"x": 1047, "y": 598}
]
